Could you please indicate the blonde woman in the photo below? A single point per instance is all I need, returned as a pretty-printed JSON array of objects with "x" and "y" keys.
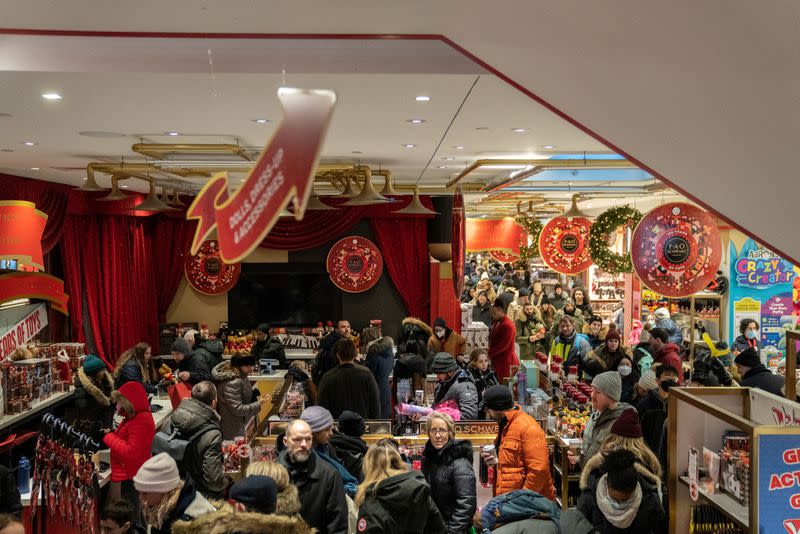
[
  {"x": 392, "y": 498},
  {"x": 447, "y": 466}
]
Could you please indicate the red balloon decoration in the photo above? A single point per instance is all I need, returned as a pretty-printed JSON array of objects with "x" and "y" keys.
[
  {"x": 676, "y": 249},
  {"x": 564, "y": 244},
  {"x": 354, "y": 264}
]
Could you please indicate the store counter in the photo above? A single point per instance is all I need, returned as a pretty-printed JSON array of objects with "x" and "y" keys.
[{"x": 37, "y": 408}]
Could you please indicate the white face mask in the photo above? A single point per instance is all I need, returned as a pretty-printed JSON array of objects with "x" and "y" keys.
[
  {"x": 624, "y": 370},
  {"x": 439, "y": 332}
]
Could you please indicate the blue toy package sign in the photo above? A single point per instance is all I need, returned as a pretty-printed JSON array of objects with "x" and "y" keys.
[
  {"x": 762, "y": 288},
  {"x": 778, "y": 484}
]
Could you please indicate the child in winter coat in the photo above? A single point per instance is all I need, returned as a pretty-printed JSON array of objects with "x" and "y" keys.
[{"x": 130, "y": 443}]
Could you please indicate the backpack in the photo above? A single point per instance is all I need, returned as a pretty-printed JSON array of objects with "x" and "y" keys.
[
  {"x": 642, "y": 358},
  {"x": 174, "y": 444},
  {"x": 516, "y": 506}
]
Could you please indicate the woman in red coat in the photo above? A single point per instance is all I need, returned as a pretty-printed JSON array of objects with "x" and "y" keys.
[
  {"x": 501, "y": 341},
  {"x": 130, "y": 443}
]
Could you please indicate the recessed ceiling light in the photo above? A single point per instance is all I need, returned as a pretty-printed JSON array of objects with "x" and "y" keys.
[
  {"x": 409, "y": 145},
  {"x": 124, "y": 186},
  {"x": 458, "y": 147},
  {"x": 548, "y": 147},
  {"x": 441, "y": 166},
  {"x": 449, "y": 158},
  {"x": 519, "y": 130},
  {"x": 261, "y": 121},
  {"x": 422, "y": 98},
  {"x": 51, "y": 96},
  {"x": 416, "y": 121},
  {"x": 173, "y": 134},
  {"x": 482, "y": 128},
  {"x": 101, "y": 134},
  {"x": 34, "y": 168},
  {"x": 356, "y": 152},
  {"x": 29, "y": 143}
]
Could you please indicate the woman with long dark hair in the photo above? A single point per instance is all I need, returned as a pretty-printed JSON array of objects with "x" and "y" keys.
[{"x": 134, "y": 365}]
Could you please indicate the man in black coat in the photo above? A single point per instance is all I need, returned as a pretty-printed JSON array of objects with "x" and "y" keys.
[
  {"x": 756, "y": 375},
  {"x": 191, "y": 368},
  {"x": 322, "y": 501},
  {"x": 326, "y": 355},
  {"x": 349, "y": 386},
  {"x": 268, "y": 347}
]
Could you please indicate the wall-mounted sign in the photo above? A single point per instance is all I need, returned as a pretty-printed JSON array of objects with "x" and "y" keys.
[
  {"x": 676, "y": 249},
  {"x": 564, "y": 244},
  {"x": 21, "y": 228},
  {"x": 354, "y": 264},
  {"x": 40, "y": 286},
  {"x": 23, "y": 331},
  {"x": 208, "y": 273},
  {"x": 283, "y": 173}
]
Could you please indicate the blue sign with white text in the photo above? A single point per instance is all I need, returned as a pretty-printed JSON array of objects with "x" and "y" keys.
[{"x": 778, "y": 484}]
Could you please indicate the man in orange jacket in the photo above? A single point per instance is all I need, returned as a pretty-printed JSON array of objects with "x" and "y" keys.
[{"x": 522, "y": 460}]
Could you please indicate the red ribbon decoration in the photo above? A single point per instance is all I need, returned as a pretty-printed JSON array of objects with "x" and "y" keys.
[
  {"x": 21, "y": 229},
  {"x": 284, "y": 171},
  {"x": 41, "y": 286},
  {"x": 458, "y": 241}
]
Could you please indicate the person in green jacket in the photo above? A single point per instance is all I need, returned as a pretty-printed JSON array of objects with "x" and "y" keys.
[{"x": 531, "y": 332}]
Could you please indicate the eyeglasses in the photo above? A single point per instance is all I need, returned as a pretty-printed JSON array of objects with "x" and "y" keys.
[{"x": 438, "y": 431}]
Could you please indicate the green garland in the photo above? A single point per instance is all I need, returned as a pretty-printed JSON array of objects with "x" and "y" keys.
[
  {"x": 533, "y": 227},
  {"x": 608, "y": 222}
]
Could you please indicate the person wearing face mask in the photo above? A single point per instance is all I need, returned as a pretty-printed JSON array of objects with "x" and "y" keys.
[
  {"x": 630, "y": 378},
  {"x": 755, "y": 374},
  {"x": 619, "y": 496},
  {"x": 749, "y": 338},
  {"x": 444, "y": 339}
]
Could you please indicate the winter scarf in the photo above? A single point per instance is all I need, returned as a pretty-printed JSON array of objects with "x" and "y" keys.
[
  {"x": 620, "y": 518},
  {"x": 155, "y": 517},
  {"x": 350, "y": 482}
]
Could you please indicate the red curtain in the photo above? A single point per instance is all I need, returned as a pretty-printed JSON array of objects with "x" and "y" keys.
[
  {"x": 172, "y": 238},
  {"x": 404, "y": 246}
]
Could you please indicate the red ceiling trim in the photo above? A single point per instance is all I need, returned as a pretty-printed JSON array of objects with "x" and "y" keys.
[{"x": 417, "y": 37}]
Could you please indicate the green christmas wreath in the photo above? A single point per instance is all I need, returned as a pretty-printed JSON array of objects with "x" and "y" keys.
[
  {"x": 606, "y": 223},
  {"x": 533, "y": 227}
]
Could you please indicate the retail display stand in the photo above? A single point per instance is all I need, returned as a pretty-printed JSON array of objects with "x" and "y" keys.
[
  {"x": 790, "y": 375},
  {"x": 698, "y": 418}
]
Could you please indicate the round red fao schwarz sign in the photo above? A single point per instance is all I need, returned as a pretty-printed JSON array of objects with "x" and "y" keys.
[
  {"x": 208, "y": 273},
  {"x": 354, "y": 264},
  {"x": 564, "y": 245}
]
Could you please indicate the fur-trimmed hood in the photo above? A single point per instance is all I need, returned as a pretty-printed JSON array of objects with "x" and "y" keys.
[
  {"x": 224, "y": 522},
  {"x": 419, "y": 323},
  {"x": 601, "y": 335},
  {"x": 593, "y": 464},
  {"x": 106, "y": 381},
  {"x": 224, "y": 372}
]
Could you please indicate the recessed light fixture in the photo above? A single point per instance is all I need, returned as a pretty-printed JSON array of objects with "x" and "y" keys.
[
  {"x": 458, "y": 147},
  {"x": 409, "y": 145},
  {"x": 441, "y": 166},
  {"x": 449, "y": 158},
  {"x": 422, "y": 98},
  {"x": 173, "y": 134},
  {"x": 548, "y": 147},
  {"x": 416, "y": 121},
  {"x": 124, "y": 186},
  {"x": 29, "y": 143},
  {"x": 261, "y": 121},
  {"x": 51, "y": 96},
  {"x": 482, "y": 128},
  {"x": 34, "y": 168},
  {"x": 519, "y": 130},
  {"x": 356, "y": 152}
]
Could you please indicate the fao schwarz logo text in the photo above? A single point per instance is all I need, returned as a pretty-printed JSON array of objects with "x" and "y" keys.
[
  {"x": 569, "y": 243},
  {"x": 355, "y": 264},
  {"x": 676, "y": 250}
]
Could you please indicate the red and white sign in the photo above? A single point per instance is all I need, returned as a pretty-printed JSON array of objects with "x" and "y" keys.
[
  {"x": 354, "y": 264},
  {"x": 23, "y": 331},
  {"x": 676, "y": 249},
  {"x": 564, "y": 244},
  {"x": 208, "y": 273},
  {"x": 283, "y": 173},
  {"x": 21, "y": 229}
]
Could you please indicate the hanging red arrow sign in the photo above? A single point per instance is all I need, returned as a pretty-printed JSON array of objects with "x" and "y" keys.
[{"x": 283, "y": 173}]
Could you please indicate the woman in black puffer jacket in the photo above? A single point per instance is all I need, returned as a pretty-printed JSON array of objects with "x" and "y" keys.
[{"x": 447, "y": 466}]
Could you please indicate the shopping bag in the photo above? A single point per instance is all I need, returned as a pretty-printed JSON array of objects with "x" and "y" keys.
[{"x": 178, "y": 392}]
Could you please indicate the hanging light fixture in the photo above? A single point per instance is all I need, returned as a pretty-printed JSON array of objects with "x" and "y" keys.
[
  {"x": 152, "y": 203},
  {"x": 415, "y": 207},
  {"x": 315, "y": 204},
  {"x": 349, "y": 190},
  {"x": 90, "y": 184},
  {"x": 368, "y": 195},
  {"x": 165, "y": 197},
  {"x": 176, "y": 199},
  {"x": 574, "y": 212},
  {"x": 388, "y": 188},
  {"x": 116, "y": 193}
]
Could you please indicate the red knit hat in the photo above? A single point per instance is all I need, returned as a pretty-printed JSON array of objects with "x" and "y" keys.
[
  {"x": 627, "y": 425},
  {"x": 613, "y": 334}
]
